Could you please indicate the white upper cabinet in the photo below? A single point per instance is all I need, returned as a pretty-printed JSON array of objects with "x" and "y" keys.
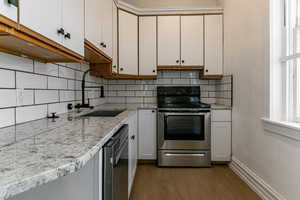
[
  {"x": 92, "y": 24},
  {"x": 168, "y": 33},
  {"x": 115, "y": 38},
  {"x": 192, "y": 36},
  {"x": 213, "y": 44},
  {"x": 8, "y": 10},
  {"x": 147, "y": 46},
  {"x": 128, "y": 43},
  {"x": 74, "y": 36},
  {"x": 43, "y": 17},
  {"x": 58, "y": 20},
  {"x": 106, "y": 20}
]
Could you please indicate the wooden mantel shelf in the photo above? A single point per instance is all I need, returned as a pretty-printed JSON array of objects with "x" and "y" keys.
[
  {"x": 18, "y": 40},
  {"x": 180, "y": 68}
]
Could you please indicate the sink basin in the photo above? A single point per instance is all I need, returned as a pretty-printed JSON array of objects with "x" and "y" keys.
[{"x": 104, "y": 113}]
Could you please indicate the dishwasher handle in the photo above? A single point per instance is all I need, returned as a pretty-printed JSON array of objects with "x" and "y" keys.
[{"x": 117, "y": 158}]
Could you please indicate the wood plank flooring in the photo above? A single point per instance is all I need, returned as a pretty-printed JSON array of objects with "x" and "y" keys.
[{"x": 216, "y": 183}]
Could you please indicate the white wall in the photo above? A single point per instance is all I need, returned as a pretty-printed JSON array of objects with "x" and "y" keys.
[
  {"x": 274, "y": 158},
  {"x": 173, "y": 3}
]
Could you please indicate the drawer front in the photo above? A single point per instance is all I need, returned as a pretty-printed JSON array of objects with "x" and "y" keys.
[
  {"x": 221, "y": 116},
  {"x": 173, "y": 158}
]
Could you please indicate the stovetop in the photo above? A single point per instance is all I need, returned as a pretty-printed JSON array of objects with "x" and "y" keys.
[{"x": 180, "y": 97}]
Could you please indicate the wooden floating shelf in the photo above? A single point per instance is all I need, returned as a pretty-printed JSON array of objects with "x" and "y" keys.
[
  {"x": 17, "y": 40},
  {"x": 211, "y": 76},
  {"x": 180, "y": 68}
]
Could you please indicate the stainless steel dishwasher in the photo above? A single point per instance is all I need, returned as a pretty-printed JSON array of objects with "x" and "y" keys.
[{"x": 115, "y": 174}]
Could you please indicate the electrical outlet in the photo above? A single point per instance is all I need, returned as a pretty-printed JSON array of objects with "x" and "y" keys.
[{"x": 20, "y": 96}]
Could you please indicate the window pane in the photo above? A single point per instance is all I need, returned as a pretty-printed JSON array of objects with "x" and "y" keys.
[{"x": 292, "y": 27}]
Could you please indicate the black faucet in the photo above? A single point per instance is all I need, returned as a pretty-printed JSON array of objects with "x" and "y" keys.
[{"x": 83, "y": 104}]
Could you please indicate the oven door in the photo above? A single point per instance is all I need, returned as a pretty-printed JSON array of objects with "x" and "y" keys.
[{"x": 184, "y": 131}]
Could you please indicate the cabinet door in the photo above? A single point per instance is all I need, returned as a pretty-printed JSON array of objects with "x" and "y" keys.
[
  {"x": 44, "y": 17},
  {"x": 192, "y": 36},
  {"x": 8, "y": 10},
  {"x": 133, "y": 150},
  {"x": 128, "y": 43},
  {"x": 106, "y": 21},
  {"x": 147, "y": 46},
  {"x": 168, "y": 40},
  {"x": 147, "y": 134},
  {"x": 92, "y": 25},
  {"x": 213, "y": 45},
  {"x": 115, "y": 38},
  {"x": 221, "y": 141},
  {"x": 73, "y": 11}
]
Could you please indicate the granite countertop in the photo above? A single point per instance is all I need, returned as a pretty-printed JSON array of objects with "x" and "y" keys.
[{"x": 35, "y": 153}]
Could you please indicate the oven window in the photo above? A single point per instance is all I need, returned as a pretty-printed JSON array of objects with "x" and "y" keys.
[{"x": 184, "y": 127}]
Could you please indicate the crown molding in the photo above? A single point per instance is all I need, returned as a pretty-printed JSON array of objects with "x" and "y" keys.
[{"x": 168, "y": 11}]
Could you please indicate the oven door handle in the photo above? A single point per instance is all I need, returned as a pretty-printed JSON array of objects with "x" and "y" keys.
[
  {"x": 186, "y": 113},
  {"x": 185, "y": 154}
]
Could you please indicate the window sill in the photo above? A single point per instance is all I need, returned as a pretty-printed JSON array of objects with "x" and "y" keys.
[{"x": 287, "y": 129}]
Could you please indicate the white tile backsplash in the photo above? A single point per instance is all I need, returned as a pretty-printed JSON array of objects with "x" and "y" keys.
[
  {"x": 57, "y": 83},
  {"x": 8, "y": 61},
  {"x": 65, "y": 72},
  {"x": 45, "y": 68},
  {"x": 46, "y": 96},
  {"x": 31, "y": 88},
  {"x": 7, "y": 117},
  {"x": 67, "y": 95},
  {"x": 29, "y": 113},
  {"x": 7, "y": 79},
  {"x": 8, "y": 98},
  {"x": 32, "y": 81},
  {"x": 58, "y": 108}
]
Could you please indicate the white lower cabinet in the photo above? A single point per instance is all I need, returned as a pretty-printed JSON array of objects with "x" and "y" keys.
[
  {"x": 221, "y": 135},
  {"x": 147, "y": 134},
  {"x": 132, "y": 150},
  {"x": 85, "y": 184}
]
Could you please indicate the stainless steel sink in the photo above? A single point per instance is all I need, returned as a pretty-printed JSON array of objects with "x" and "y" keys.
[{"x": 104, "y": 113}]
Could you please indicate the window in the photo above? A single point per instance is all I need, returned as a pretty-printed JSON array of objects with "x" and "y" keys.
[{"x": 290, "y": 61}]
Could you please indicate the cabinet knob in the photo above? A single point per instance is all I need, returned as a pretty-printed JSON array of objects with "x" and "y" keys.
[
  {"x": 133, "y": 137},
  {"x": 153, "y": 111},
  {"x": 182, "y": 61},
  {"x": 153, "y": 71},
  {"x": 14, "y": 2},
  {"x": 206, "y": 70},
  {"x": 114, "y": 66},
  {"x": 177, "y": 61},
  {"x": 61, "y": 31},
  {"x": 121, "y": 69},
  {"x": 102, "y": 44},
  {"x": 68, "y": 36}
]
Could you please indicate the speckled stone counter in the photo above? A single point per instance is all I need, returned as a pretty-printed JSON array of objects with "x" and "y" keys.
[{"x": 41, "y": 151}]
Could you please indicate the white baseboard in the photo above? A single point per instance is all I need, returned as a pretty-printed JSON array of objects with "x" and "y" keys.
[{"x": 263, "y": 189}]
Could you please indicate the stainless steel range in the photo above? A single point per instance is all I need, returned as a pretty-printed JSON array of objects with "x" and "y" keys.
[{"x": 183, "y": 128}]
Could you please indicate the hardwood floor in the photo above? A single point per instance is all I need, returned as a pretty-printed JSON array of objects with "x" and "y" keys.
[{"x": 216, "y": 183}]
